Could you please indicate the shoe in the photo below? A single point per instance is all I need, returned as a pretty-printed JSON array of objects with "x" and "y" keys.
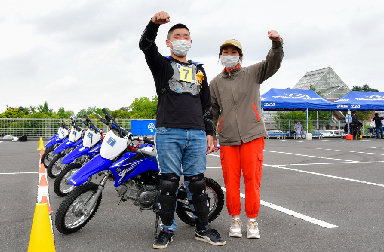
[
  {"x": 163, "y": 239},
  {"x": 209, "y": 235},
  {"x": 253, "y": 229},
  {"x": 235, "y": 229}
]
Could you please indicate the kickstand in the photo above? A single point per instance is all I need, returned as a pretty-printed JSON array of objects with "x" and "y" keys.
[{"x": 156, "y": 224}]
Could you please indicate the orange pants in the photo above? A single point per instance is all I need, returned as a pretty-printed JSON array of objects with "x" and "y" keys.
[{"x": 247, "y": 157}]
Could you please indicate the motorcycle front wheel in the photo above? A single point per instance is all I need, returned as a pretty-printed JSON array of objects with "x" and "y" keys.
[
  {"x": 47, "y": 150},
  {"x": 75, "y": 212},
  {"x": 216, "y": 203},
  {"x": 61, "y": 186},
  {"x": 55, "y": 166},
  {"x": 47, "y": 157}
]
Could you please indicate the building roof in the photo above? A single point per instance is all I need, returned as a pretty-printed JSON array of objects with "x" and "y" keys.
[{"x": 325, "y": 81}]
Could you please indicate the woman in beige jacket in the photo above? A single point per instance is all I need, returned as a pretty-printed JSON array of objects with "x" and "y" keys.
[{"x": 235, "y": 98}]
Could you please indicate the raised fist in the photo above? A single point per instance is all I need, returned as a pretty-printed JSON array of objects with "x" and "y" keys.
[
  {"x": 160, "y": 18},
  {"x": 274, "y": 35}
]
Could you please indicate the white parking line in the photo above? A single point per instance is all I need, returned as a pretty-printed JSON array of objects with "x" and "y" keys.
[
  {"x": 324, "y": 175},
  {"x": 292, "y": 213},
  {"x": 310, "y": 164},
  {"x": 16, "y": 173}
]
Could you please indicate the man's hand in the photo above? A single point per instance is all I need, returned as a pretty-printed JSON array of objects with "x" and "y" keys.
[
  {"x": 210, "y": 146},
  {"x": 215, "y": 146},
  {"x": 274, "y": 35},
  {"x": 161, "y": 17}
]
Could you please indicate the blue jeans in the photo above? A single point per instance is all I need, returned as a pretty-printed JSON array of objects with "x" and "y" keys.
[
  {"x": 379, "y": 132},
  {"x": 182, "y": 152}
]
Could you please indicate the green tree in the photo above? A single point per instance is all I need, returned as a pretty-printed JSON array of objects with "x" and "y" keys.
[
  {"x": 62, "y": 113},
  {"x": 45, "y": 109},
  {"x": 143, "y": 108},
  {"x": 89, "y": 111},
  {"x": 11, "y": 112},
  {"x": 123, "y": 114},
  {"x": 364, "y": 88}
]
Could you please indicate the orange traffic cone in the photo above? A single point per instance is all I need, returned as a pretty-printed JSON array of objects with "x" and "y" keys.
[
  {"x": 43, "y": 181},
  {"x": 45, "y": 200},
  {"x": 41, "y": 238},
  {"x": 42, "y": 168}
]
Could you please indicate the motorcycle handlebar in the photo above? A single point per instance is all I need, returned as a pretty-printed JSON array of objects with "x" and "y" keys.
[
  {"x": 114, "y": 125},
  {"x": 107, "y": 115},
  {"x": 63, "y": 125}
]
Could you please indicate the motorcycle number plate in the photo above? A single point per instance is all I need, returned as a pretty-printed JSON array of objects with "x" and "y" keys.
[
  {"x": 91, "y": 138},
  {"x": 62, "y": 132},
  {"x": 112, "y": 146}
]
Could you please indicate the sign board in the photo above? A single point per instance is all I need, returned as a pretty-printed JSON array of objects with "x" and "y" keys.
[
  {"x": 348, "y": 119},
  {"x": 143, "y": 127}
]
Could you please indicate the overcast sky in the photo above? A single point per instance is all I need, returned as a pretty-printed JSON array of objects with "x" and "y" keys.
[{"x": 84, "y": 53}]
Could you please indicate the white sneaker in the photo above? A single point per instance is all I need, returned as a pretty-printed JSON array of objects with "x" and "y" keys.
[
  {"x": 253, "y": 229},
  {"x": 235, "y": 229}
]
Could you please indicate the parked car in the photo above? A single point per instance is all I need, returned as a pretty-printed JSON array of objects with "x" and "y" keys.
[{"x": 331, "y": 133}]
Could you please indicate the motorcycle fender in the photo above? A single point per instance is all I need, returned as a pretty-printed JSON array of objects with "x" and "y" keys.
[
  {"x": 62, "y": 146},
  {"x": 95, "y": 150},
  {"x": 77, "y": 152},
  {"x": 96, "y": 165},
  {"x": 52, "y": 141}
]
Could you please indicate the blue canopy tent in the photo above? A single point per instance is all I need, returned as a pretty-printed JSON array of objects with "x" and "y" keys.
[
  {"x": 295, "y": 99},
  {"x": 356, "y": 100}
]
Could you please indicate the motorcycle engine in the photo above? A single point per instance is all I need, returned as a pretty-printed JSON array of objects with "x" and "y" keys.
[
  {"x": 141, "y": 195},
  {"x": 148, "y": 197}
]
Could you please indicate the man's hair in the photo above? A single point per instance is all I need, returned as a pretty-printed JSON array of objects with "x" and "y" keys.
[{"x": 176, "y": 26}]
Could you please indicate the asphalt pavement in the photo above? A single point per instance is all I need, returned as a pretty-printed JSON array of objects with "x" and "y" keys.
[{"x": 319, "y": 195}]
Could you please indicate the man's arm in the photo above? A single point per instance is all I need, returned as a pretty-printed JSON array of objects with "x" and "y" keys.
[
  {"x": 207, "y": 111},
  {"x": 215, "y": 112},
  {"x": 271, "y": 64},
  {"x": 147, "y": 41},
  {"x": 206, "y": 104}
]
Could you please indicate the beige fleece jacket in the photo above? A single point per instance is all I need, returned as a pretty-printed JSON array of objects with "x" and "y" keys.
[{"x": 235, "y": 99}]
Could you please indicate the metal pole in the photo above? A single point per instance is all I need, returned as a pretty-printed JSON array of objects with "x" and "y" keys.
[
  {"x": 317, "y": 123},
  {"x": 307, "y": 119},
  {"x": 289, "y": 123}
]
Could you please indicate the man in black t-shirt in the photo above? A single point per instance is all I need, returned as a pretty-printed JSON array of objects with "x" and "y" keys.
[{"x": 183, "y": 127}]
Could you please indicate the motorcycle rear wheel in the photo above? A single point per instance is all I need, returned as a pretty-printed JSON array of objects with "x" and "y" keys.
[
  {"x": 70, "y": 216},
  {"x": 61, "y": 186},
  {"x": 56, "y": 166},
  {"x": 216, "y": 203}
]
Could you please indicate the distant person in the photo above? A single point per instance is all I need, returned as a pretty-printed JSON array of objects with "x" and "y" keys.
[
  {"x": 382, "y": 126},
  {"x": 355, "y": 126},
  {"x": 379, "y": 126},
  {"x": 299, "y": 130}
]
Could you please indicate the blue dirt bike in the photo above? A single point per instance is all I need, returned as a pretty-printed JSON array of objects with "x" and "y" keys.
[
  {"x": 56, "y": 140},
  {"x": 81, "y": 155},
  {"x": 69, "y": 144},
  {"x": 136, "y": 175}
]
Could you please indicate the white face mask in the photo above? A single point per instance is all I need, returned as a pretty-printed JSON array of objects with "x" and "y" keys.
[
  {"x": 181, "y": 47},
  {"x": 229, "y": 61}
]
